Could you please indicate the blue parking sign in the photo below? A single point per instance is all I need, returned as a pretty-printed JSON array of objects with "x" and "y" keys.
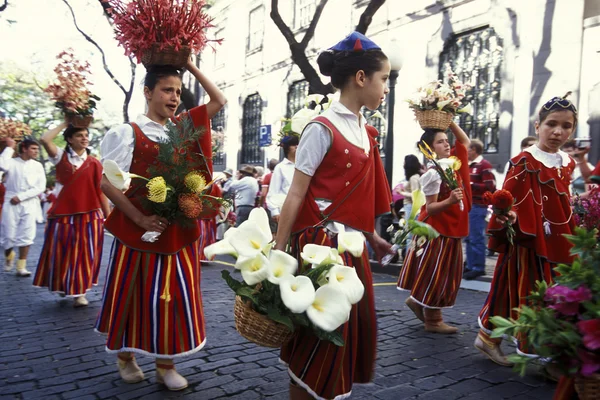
[{"x": 264, "y": 136}]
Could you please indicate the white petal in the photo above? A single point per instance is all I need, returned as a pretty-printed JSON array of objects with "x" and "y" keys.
[
  {"x": 330, "y": 309},
  {"x": 219, "y": 248},
  {"x": 418, "y": 199},
  {"x": 281, "y": 265},
  {"x": 259, "y": 217},
  {"x": 301, "y": 119},
  {"x": 114, "y": 175},
  {"x": 297, "y": 293},
  {"x": 254, "y": 269},
  {"x": 249, "y": 239},
  {"x": 352, "y": 242},
  {"x": 315, "y": 254},
  {"x": 346, "y": 279}
]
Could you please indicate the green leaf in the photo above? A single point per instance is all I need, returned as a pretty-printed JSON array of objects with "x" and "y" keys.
[
  {"x": 235, "y": 285},
  {"x": 274, "y": 315}
]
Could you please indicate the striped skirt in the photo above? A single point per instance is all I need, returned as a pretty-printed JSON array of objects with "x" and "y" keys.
[
  {"x": 514, "y": 279},
  {"x": 208, "y": 235},
  {"x": 432, "y": 272},
  {"x": 72, "y": 253},
  {"x": 152, "y": 303},
  {"x": 325, "y": 370}
]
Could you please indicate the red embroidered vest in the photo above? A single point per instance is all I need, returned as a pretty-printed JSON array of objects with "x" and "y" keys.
[
  {"x": 354, "y": 182},
  {"x": 81, "y": 187}
]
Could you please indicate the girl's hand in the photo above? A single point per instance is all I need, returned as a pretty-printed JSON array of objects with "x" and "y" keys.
[
  {"x": 455, "y": 196},
  {"x": 190, "y": 64},
  {"x": 379, "y": 246},
  {"x": 153, "y": 223},
  {"x": 511, "y": 217}
]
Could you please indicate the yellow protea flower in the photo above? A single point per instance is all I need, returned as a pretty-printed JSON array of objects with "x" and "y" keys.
[
  {"x": 195, "y": 182},
  {"x": 157, "y": 189},
  {"x": 426, "y": 150},
  {"x": 456, "y": 163}
]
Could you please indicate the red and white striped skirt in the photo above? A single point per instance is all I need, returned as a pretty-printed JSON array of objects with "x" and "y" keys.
[
  {"x": 152, "y": 303},
  {"x": 208, "y": 235},
  {"x": 72, "y": 253}
]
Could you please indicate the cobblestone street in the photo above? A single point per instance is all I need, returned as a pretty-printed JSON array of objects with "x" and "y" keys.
[{"x": 49, "y": 350}]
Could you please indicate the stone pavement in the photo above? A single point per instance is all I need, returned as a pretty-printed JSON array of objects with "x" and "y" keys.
[{"x": 49, "y": 350}]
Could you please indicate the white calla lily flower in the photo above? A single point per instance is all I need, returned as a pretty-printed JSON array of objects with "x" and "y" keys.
[
  {"x": 222, "y": 247},
  {"x": 346, "y": 279},
  {"x": 418, "y": 200},
  {"x": 330, "y": 308},
  {"x": 259, "y": 217},
  {"x": 297, "y": 293},
  {"x": 249, "y": 239},
  {"x": 335, "y": 257},
  {"x": 468, "y": 109},
  {"x": 302, "y": 118},
  {"x": 281, "y": 265},
  {"x": 117, "y": 177},
  {"x": 317, "y": 98},
  {"x": 255, "y": 269},
  {"x": 352, "y": 242},
  {"x": 316, "y": 254}
]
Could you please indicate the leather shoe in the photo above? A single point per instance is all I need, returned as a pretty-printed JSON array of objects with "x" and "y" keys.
[
  {"x": 416, "y": 308},
  {"x": 441, "y": 327},
  {"x": 494, "y": 352},
  {"x": 129, "y": 370},
  {"x": 470, "y": 275},
  {"x": 80, "y": 301},
  {"x": 171, "y": 379}
]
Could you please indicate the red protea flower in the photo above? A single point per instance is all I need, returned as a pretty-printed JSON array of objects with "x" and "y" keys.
[
  {"x": 503, "y": 199},
  {"x": 190, "y": 204},
  {"x": 488, "y": 198}
]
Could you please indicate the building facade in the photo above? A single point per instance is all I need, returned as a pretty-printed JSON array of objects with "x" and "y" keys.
[{"x": 516, "y": 54}]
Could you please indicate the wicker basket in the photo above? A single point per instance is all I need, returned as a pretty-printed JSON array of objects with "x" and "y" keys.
[
  {"x": 257, "y": 328},
  {"x": 168, "y": 56},
  {"x": 79, "y": 121},
  {"x": 434, "y": 119},
  {"x": 588, "y": 388}
]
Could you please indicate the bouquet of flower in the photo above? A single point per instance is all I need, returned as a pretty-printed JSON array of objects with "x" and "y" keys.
[
  {"x": 319, "y": 298},
  {"x": 420, "y": 230},
  {"x": 502, "y": 202},
  {"x": 587, "y": 210},
  {"x": 177, "y": 189},
  {"x": 161, "y": 31},
  {"x": 436, "y": 103},
  {"x": 71, "y": 94},
  {"x": 13, "y": 129},
  {"x": 562, "y": 322},
  {"x": 446, "y": 167}
]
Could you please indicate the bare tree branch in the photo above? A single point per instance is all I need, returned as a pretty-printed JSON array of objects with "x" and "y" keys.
[
  {"x": 367, "y": 16},
  {"x": 126, "y": 92},
  {"x": 310, "y": 32}
]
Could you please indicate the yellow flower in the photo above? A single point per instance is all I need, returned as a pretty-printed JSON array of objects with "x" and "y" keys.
[
  {"x": 157, "y": 190},
  {"x": 195, "y": 182},
  {"x": 426, "y": 150},
  {"x": 456, "y": 163}
]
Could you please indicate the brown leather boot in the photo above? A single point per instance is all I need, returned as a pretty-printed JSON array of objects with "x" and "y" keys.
[
  {"x": 491, "y": 349},
  {"x": 416, "y": 308},
  {"x": 435, "y": 324}
]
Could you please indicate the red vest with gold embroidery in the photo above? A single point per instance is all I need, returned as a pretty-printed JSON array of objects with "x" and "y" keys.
[
  {"x": 175, "y": 236},
  {"x": 353, "y": 181},
  {"x": 81, "y": 187}
]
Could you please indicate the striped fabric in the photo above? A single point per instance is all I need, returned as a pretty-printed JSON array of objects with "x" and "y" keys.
[
  {"x": 72, "y": 253},
  {"x": 433, "y": 277},
  {"x": 323, "y": 369},
  {"x": 152, "y": 303},
  {"x": 208, "y": 235},
  {"x": 514, "y": 279}
]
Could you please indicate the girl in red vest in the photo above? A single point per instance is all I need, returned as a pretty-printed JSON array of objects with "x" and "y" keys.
[
  {"x": 433, "y": 269},
  {"x": 152, "y": 303},
  {"x": 339, "y": 184},
  {"x": 539, "y": 179},
  {"x": 72, "y": 252}
]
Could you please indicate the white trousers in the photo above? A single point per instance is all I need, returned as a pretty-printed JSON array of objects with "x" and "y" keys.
[{"x": 18, "y": 224}]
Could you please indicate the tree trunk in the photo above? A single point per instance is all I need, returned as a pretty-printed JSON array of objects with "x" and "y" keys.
[{"x": 367, "y": 16}]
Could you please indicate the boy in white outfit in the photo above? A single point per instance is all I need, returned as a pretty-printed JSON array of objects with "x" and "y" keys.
[{"x": 25, "y": 181}]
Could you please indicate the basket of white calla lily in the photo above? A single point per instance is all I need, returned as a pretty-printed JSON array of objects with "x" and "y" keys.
[{"x": 273, "y": 300}]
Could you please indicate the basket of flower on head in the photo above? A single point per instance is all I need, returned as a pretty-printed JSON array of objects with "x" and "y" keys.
[
  {"x": 13, "y": 129},
  {"x": 168, "y": 33},
  {"x": 70, "y": 93},
  {"x": 436, "y": 103}
]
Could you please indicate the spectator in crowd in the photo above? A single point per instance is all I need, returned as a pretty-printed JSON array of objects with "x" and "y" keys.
[
  {"x": 226, "y": 183},
  {"x": 245, "y": 189},
  {"x": 482, "y": 182},
  {"x": 264, "y": 190},
  {"x": 412, "y": 172},
  {"x": 578, "y": 182},
  {"x": 282, "y": 176}
]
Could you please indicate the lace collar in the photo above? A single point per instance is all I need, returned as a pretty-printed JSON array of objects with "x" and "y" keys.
[{"x": 550, "y": 160}]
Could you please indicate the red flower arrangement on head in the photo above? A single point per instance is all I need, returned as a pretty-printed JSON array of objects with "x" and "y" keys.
[
  {"x": 502, "y": 202},
  {"x": 13, "y": 129},
  {"x": 170, "y": 24}
]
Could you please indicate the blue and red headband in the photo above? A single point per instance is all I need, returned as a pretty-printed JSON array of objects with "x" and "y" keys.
[
  {"x": 560, "y": 104},
  {"x": 355, "y": 41}
]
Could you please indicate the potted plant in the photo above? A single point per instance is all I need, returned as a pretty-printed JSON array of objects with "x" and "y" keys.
[
  {"x": 562, "y": 322},
  {"x": 71, "y": 94},
  {"x": 436, "y": 103},
  {"x": 161, "y": 32}
]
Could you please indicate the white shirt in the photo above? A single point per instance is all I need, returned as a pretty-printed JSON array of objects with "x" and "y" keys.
[
  {"x": 119, "y": 142},
  {"x": 431, "y": 181},
  {"x": 75, "y": 160},
  {"x": 24, "y": 179},
  {"x": 245, "y": 190},
  {"x": 281, "y": 181}
]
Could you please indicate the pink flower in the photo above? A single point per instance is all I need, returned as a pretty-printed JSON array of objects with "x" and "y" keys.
[
  {"x": 590, "y": 362},
  {"x": 591, "y": 333},
  {"x": 566, "y": 300}
]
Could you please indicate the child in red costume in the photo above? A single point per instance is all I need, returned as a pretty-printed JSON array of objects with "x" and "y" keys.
[
  {"x": 339, "y": 184},
  {"x": 433, "y": 269},
  {"x": 152, "y": 303},
  {"x": 72, "y": 252},
  {"x": 539, "y": 179}
]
